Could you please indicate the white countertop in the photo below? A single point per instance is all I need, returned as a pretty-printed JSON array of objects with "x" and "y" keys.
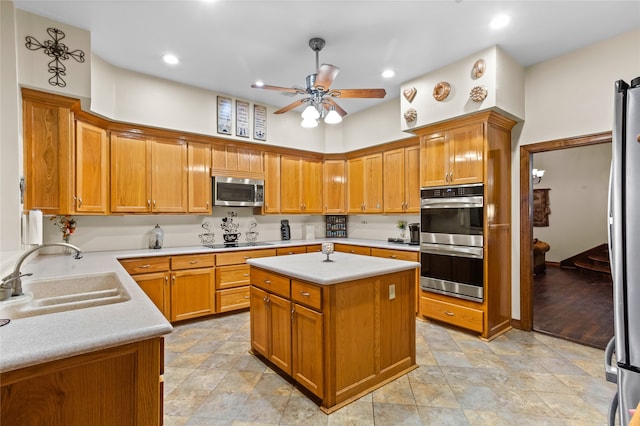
[
  {"x": 345, "y": 266},
  {"x": 34, "y": 340}
]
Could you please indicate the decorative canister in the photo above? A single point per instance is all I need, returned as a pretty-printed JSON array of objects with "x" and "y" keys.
[{"x": 156, "y": 237}]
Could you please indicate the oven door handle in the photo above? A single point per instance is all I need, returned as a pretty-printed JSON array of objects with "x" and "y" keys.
[
  {"x": 460, "y": 251},
  {"x": 451, "y": 203}
]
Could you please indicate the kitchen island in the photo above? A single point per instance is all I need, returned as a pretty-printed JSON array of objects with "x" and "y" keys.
[{"x": 336, "y": 329}]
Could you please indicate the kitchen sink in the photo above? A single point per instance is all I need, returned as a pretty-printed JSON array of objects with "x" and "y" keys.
[{"x": 48, "y": 296}]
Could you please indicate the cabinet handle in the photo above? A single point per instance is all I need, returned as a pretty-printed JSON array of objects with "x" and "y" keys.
[
  {"x": 293, "y": 311},
  {"x": 246, "y": 275},
  {"x": 290, "y": 252},
  {"x": 393, "y": 256},
  {"x": 305, "y": 293},
  {"x": 207, "y": 204},
  {"x": 154, "y": 204},
  {"x": 166, "y": 280},
  {"x": 173, "y": 279},
  {"x": 247, "y": 257},
  {"x": 144, "y": 266},
  {"x": 267, "y": 281},
  {"x": 245, "y": 297},
  {"x": 265, "y": 299},
  {"x": 449, "y": 313},
  {"x": 148, "y": 204},
  {"x": 193, "y": 262},
  {"x": 79, "y": 202}
]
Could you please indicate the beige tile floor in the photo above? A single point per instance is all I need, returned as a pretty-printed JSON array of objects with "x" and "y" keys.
[{"x": 519, "y": 378}]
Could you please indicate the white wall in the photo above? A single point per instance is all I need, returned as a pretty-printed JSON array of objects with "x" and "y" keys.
[{"x": 578, "y": 199}]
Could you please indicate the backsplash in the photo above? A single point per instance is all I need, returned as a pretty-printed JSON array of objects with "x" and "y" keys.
[{"x": 99, "y": 233}]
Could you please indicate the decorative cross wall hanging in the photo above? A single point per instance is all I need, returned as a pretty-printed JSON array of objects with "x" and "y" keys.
[{"x": 58, "y": 51}]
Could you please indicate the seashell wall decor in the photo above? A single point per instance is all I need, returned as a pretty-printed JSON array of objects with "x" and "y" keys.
[
  {"x": 410, "y": 115},
  {"x": 478, "y": 94},
  {"x": 410, "y": 93}
]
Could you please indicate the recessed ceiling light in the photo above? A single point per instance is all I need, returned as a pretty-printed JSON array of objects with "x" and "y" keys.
[
  {"x": 170, "y": 59},
  {"x": 388, "y": 73},
  {"x": 259, "y": 83},
  {"x": 500, "y": 21}
]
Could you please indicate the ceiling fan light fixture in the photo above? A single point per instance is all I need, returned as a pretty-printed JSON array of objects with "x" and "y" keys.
[
  {"x": 311, "y": 113},
  {"x": 309, "y": 123},
  {"x": 333, "y": 117}
]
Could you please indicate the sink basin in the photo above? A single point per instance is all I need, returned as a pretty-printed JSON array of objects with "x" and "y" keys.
[{"x": 48, "y": 296}]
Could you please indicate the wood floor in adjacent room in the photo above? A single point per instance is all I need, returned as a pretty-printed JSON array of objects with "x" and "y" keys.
[{"x": 573, "y": 305}]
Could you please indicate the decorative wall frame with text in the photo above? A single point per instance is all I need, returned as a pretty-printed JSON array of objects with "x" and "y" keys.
[
  {"x": 224, "y": 115},
  {"x": 259, "y": 122},
  {"x": 242, "y": 119}
]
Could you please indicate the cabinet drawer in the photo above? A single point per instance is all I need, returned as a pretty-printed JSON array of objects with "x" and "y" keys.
[
  {"x": 460, "y": 316},
  {"x": 395, "y": 254},
  {"x": 306, "y": 294},
  {"x": 232, "y": 299},
  {"x": 145, "y": 265},
  {"x": 240, "y": 257},
  {"x": 232, "y": 276},
  {"x": 314, "y": 248},
  {"x": 291, "y": 250},
  {"x": 271, "y": 282},
  {"x": 347, "y": 248},
  {"x": 193, "y": 261}
]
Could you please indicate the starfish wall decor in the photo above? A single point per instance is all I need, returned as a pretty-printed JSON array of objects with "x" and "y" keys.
[{"x": 58, "y": 51}]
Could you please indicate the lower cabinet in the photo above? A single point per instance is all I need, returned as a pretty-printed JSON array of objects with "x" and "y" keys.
[
  {"x": 461, "y": 313},
  {"x": 117, "y": 386}
]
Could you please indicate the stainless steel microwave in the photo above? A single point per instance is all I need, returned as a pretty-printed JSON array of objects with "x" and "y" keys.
[{"x": 239, "y": 192}]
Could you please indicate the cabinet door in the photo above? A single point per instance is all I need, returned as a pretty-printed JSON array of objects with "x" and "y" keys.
[
  {"x": 169, "y": 176},
  {"x": 311, "y": 191},
  {"x": 290, "y": 184},
  {"x": 280, "y": 318},
  {"x": 412, "y": 179},
  {"x": 130, "y": 175},
  {"x": 259, "y": 321},
  {"x": 48, "y": 156},
  {"x": 373, "y": 202},
  {"x": 156, "y": 286},
  {"x": 333, "y": 186},
  {"x": 397, "y": 310},
  {"x": 308, "y": 361},
  {"x": 434, "y": 162},
  {"x": 466, "y": 154},
  {"x": 355, "y": 185},
  {"x": 394, "y": 182},
  {"x": 192, "y": 293},
  {"x": 271, "y": 183},
  {"x": 91, "y": 169},
  {"x": 199, "y": 177}
]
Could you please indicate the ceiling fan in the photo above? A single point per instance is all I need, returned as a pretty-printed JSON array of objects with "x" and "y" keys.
[{"x": 318, "y": 92}]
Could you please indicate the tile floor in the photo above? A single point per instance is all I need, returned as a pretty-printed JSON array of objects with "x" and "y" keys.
[{"x": 518, "y": 378}]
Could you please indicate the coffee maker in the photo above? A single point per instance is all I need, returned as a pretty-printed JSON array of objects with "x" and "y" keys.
[{"x": 414, "y": 234}]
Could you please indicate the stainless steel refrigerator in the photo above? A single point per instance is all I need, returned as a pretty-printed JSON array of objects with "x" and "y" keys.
[{"x": 624, "y": 251}]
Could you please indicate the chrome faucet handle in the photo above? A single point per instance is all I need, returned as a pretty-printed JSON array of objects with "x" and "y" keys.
[
  {"x": 78, "y": 255},
  {"x": 12, "y": 277}
]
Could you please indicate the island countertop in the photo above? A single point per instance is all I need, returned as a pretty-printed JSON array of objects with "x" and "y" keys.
[{"x": 345, "y": 266}]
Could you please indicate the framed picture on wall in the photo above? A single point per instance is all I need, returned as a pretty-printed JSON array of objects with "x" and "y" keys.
[
  {"x": 224, "y": 115},
  {"x": 259, "y": 122},
  {"x": 242, "y": 119}
]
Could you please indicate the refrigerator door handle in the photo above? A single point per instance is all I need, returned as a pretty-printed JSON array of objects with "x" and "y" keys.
[{"x": 610, "y": 370}]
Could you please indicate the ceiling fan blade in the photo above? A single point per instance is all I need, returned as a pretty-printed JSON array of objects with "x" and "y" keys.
[
  {"x": 293, "y": 90},
  {"x": 325, "y": 76},
  {"x": 358, "y": 93},
  {"x": 330, "y": 102},
  {"x": 291, "y": 106}
]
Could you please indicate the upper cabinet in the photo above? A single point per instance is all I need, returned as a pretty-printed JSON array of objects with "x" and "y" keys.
[
  {"x": 364, "y": 184},
  {"x": 230, "y": 160},
  {"x": 199, "y": 177},
  {"x": 66, "y": 167},
  {"x": 333, "y": 187},
  {"x": 402, "y": 192},
  {"x": 452, "y": 156},
  {"x": 148, "y": 176},
  {"x": 271, "y": 183},
  {"x": 300, "y": 185}
]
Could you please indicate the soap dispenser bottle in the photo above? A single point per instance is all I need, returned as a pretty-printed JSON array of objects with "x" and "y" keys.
[{"x": 156, "y": 237}]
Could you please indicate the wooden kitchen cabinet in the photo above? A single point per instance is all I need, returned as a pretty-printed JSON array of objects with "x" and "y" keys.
[
  {"x": 199, "y": 177},
  {"x": 110, "y": 387},
  {"x": 452, "y": 157},
  {"x": 156, "y": 286},
  {"x": 271, "y": 327},
  {"x": 349, "y": 248},
  {"x": 148, "y": 176},
  {"x": 271, "y": 183},
  {"x": 307, "y": 357},
  {"x": 284, "y": 251},
  {"x": 300, "y": 185},
  {"x": 364, "y": 184},
  {"x": 92, "y": 169},
  {"x": 235, "y": 161},
  {"x": 192, "y": 286},
  {"x": 401, "y": 186},
  {"x": 333, "y": 186}
]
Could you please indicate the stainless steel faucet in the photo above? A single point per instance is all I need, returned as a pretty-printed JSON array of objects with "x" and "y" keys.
[{"x": 15, "y": 278}]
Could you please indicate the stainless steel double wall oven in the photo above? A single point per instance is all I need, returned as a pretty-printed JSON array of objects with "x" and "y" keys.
[{"x": 451, "y": 241}]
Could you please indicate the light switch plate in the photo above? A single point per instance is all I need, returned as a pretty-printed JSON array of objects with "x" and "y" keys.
[{"x": 392, "y": 291}]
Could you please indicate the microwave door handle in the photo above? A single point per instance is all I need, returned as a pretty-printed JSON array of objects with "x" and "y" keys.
[{"x": 472, "y": 252}]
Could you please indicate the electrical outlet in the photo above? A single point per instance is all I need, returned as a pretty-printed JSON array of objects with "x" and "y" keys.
[{"x": 392, "y": 291}]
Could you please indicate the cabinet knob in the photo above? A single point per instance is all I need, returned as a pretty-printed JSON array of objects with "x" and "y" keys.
[
  {"x": 245, "y": 297},
  {"x": 166, "y": 280}
]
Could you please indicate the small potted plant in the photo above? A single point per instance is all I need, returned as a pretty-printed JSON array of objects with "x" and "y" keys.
[{"x": 66, "y": 225}]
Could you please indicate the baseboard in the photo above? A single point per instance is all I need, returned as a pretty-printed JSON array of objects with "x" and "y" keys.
[{"x": 516, "y": 323}]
